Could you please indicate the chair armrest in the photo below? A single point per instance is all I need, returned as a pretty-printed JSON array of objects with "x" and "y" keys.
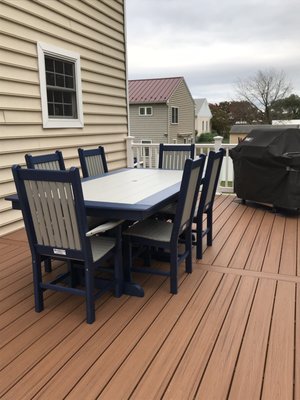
[{"x": 104, "y": 227}]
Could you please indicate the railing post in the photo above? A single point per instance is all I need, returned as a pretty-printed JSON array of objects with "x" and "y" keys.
[
  {"x": 129, "y": 151},
  {"x": 218, "y": 142}
]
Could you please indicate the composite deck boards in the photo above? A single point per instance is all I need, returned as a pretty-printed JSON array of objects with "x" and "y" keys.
[
  {"x": 249, "y": 370},
  {"x": 231, "y": 332}
]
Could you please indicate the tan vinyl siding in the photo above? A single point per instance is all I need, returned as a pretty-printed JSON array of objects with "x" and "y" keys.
[
  {"x": 95, "y": 30},
  {"x": 154, "y": 127},
  {"x": 182, "y": 99}
]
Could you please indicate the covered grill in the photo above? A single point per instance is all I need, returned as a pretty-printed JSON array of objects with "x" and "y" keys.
[{"x": 267, "y": 167}]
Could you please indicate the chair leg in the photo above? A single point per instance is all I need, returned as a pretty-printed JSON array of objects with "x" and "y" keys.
[
  {"x": 47, "y": 264},
  {"x": 147, "y": 257},
  {"x": 188, "y": 249},
  {"x": 37, "y": 280},
  {"x": 199, "y": 238},
  {"x": 209, "y": 227},
  {"x": 174, "y": 271},
  {"x": 118, "y": 268},
  {"x": 74, "y": 273},
  {"x": 89, "y": 287},
  {"x": 127, "y": 249}
]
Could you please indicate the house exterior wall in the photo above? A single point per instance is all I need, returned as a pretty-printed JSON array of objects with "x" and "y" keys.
[
  {"x": 185, "y": 128},
  {"x": 95, "y": 30},
  {"x": 154, "y": 127},
  {"x": 234, "y": 137},
  {"x": 202, "y": 125}
]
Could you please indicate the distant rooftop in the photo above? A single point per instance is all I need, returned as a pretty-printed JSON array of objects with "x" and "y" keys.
[
  {"x": 198, "y": 104},
  {"x": 248, "y": 128},
  {"x": 152, "y": 90},
  {"x": 286, "y": 122}
]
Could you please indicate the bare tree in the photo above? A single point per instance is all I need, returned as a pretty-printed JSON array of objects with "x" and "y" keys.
[{"x": 263, "y": 89}]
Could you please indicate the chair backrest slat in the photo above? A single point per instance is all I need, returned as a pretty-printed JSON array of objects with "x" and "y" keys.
[
  {"x": 35, "y": 208},
  {"x": 52, "y": 162},
  {"x": 73, "y": 219},
  {"x": 173, "y": 156},
  {"x": 93, "y": 161},
  {"x": 94, "y": 165}
]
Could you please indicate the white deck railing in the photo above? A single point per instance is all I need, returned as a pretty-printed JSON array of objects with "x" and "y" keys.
[{"x": 145, "y": 155}]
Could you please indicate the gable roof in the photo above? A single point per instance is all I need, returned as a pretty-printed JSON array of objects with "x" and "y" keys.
[
  {"x": 198, "y": 104},
  {"x": 152, "y": 90},
  {"x": 202, "y": 108}
]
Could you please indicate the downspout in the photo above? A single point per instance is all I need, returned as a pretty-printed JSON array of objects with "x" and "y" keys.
[
  {"x": 126, "y": 64},
  {"x": 168, "y": 119},
  {"x": 129, "y": 138}
]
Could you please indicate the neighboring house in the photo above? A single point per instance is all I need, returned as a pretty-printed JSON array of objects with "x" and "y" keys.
[
  {"x": 75, "y": 51},
  {"x": 240, "y": 131},
  {"x": 161, "y": 110},
  {"x": 286, "y": 122},
  {"x": 203, "y": 116}
]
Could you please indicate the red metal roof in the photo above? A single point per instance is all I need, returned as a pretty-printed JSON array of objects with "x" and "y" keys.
[{"x": 152, "y": 90}]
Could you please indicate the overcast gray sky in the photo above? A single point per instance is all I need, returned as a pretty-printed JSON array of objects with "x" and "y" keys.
[{"x": 213, "y": 43}]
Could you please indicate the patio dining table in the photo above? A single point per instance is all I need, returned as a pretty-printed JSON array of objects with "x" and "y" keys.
[{"x": 130, "y": 194}]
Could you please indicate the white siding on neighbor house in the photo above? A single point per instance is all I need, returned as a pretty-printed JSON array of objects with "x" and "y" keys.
[
  {"x": 95, "y": 30},
  {"x": 203, "y": 116},
  {"x": 182, "y": 99},
  {"x": 202, "y": 125},
  {"x": 154, "y": 127}
]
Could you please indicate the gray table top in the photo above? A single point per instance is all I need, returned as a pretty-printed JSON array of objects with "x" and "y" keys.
[{"x": 131, "y": 191}]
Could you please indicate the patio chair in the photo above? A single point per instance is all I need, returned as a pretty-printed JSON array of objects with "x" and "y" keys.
[
  {"x": 53, "y": 161},
  {"x": 208, "y": 192},
  {"x": 92, "y": 161},
  {"x": 205, "y": 204},
  {"x": 165, "y": 235},
  {"x": 55, "y": 220},
  {"x": 173, "y": 156}
]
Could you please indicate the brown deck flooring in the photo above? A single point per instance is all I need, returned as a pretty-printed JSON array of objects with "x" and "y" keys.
[{"x": 232, "y": 332}]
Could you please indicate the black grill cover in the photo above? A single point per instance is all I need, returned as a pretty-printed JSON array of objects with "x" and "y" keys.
[{"x": 267, "y": 167}]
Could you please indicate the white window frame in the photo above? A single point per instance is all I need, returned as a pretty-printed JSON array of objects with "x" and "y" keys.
[
  {"x": 145, "y": 113},
  {"x": 174, "y": 123},
  {"x": 43, "y": 50}
]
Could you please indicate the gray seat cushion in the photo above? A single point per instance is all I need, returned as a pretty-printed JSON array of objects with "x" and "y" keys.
[
  {"x": 151, "y": 229},
  {"x": 101, "y": 245}
]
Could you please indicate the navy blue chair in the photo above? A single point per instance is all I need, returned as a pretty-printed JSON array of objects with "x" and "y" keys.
[
  {"x": 204, "y": 206},
  {"x": 173, "y": 156},
  {"x": 208, "y": 192},
  {"x": 53, "y": 161},
  {"x": 164, "y": 234},
  {"x": 56, "y": 224},
  {"x": 92, "y": 161}
]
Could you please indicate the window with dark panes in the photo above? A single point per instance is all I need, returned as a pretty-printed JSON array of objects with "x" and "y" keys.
[
  {"x": 145, "y": 111},
  {"x": 174, "y": 119},
  {"x": 61, "y": 88}
]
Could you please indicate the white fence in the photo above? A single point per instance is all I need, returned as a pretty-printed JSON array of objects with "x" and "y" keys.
[{"x": 145, "y": 155}]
